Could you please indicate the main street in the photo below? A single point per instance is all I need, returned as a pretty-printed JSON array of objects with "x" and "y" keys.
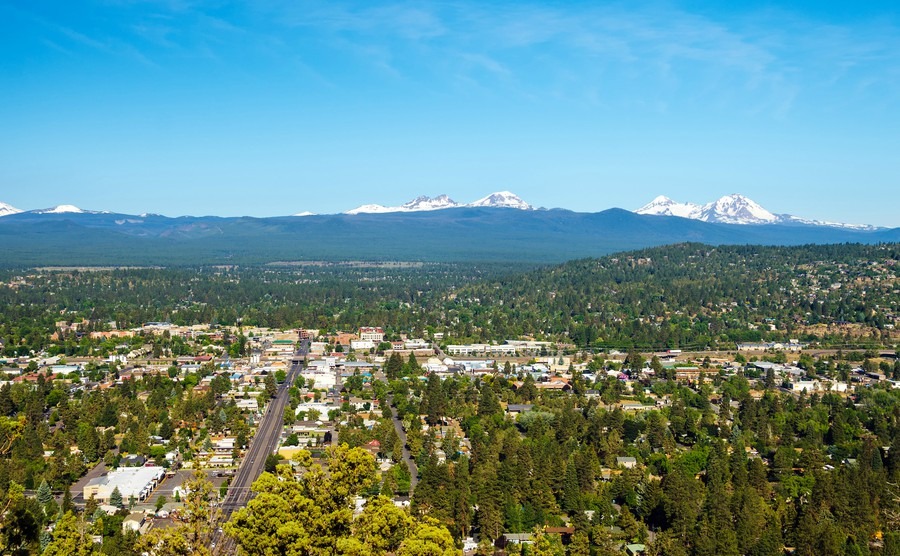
[{"x": 264, "y": 443}]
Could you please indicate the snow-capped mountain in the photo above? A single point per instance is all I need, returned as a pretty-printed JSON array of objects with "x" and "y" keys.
[
  {"x": 305, "y": 213},
  {"x": 736, "y": 209},
  {"x": 732, "y": 209},
  {"x": 427, "y": 203},
  {"x": 6, "y": 210},
  {"x": 663, "y": 206},
  {"x": 60, "y": 209},
  {"x": 501, "y": 199},
  {"x": 418, "y": 204}
]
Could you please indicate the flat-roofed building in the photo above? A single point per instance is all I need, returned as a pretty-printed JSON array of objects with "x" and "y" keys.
[{"x": 132, "y": 482}]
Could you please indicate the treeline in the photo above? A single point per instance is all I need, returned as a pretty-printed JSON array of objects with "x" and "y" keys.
[
  {"x": 686, "y": 296},
  {"x": 328, "y": 297},
  {"x": 691, "y": 296}
]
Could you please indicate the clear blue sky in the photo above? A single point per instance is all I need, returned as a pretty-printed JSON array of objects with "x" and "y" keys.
[{"x": 274, "y": 107}]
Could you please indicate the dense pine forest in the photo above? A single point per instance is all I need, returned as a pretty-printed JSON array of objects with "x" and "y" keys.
[
  {"x": 693, "y": 296},
  {"x": 687, "y": 296}
]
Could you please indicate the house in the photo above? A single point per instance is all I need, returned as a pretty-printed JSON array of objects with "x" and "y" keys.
[
  {"x": 633, "y": 405},
  {"x": 514, "y": 538},
  {"x": 220, "y": 461},
  {"x": 627, "y": 462},
  {"x": 133, "y": 460},
  {"x": 373, "y": 447},
  {"x": 133, "y": 522}
]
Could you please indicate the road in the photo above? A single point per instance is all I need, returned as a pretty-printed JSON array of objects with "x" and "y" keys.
[
  {"x": 263, "y": 444},
  {"x": 407, "y": 457},
  {"x": 78, "y": 488}
]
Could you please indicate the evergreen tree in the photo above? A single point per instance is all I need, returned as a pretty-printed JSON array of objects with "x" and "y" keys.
[
  {"x": 488, "y": 404},
  {"x": 44, "y": 494},
  {"x": 434, "y": 403},
  {"x": 68, "y": 504},
  {"x": 571, "y": 493},
  {"x": 528, "y": 391},
  {"x": 682, "y": 497},
  {"x": 394, "y": 367},
  {"x": 412, "y": 365},
  {"x": 115, "y": 499},
  {"x": 193, "y": 536}
]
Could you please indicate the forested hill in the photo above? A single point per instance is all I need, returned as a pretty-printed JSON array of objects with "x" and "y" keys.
[
  {"x": 692, "y": 295},
  {"x": 457, "y": 235}
]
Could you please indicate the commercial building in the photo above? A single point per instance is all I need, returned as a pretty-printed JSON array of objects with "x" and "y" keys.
[
  {"x": 371, "y": 333},
  {"x": 132, "y": 482}
]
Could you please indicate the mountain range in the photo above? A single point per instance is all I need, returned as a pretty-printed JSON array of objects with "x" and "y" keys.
[
  {"x": 498, "y": 228},
  {"x": 730, "y": 209}
]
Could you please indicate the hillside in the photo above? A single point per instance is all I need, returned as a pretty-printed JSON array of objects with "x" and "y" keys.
[
  {"x": 457, "y": 234},
  {"x": 693, "y": 296}
]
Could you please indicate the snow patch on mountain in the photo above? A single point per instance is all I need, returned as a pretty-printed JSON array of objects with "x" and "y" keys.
[
  {"x": 373, "y": 209},
  {"x": 6, "y": 210},
  {"x": 501, "y": 199},
  {"x": 305, "y": 213}
]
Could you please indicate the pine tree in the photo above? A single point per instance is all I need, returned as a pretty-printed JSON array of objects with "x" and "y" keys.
[
  {"x": 412, "y": 365},
  {"x": 682, "y": 496},
  {"x": 7, "y": 405},
  {"x": 115, "y": 499},
  {"x": 571, "y": 493},
  {"x": 434, "y": 402},
  {"x": 394, "y": 368},
  {"x": 44, "y": 494},
  {"x": 528, "y": 391},
  {"x": 487, "y": 401},
  {"x": 68, "y": 504}
]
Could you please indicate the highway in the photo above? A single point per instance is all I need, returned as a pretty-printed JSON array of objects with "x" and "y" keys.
[{"x": 264, "y": 443}]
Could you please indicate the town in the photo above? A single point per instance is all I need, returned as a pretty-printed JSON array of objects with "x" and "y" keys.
[
  {"x": 627, "y": 405},
  {"x": 342, "y": 395}
]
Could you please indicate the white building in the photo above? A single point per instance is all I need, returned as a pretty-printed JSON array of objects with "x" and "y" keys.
[
  {"x": 371, "y": 333},
  {"x": 417, "y": 343},
  {"x": 362, "y": 345},
  {"x": 132, "y": 482},
  {"x": 481, "y": 349}
]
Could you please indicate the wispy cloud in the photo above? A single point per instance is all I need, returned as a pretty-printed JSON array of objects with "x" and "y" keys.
[{"x": 662, "y": 55}]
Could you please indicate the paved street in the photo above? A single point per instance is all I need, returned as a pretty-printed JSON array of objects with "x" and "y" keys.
[
  {"x": 263, "y": 444},
  {"x": 407, "y": 457},
  {"x": 78, "y": 488}
]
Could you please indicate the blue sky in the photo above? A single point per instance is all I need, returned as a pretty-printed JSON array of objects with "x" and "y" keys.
[{"x": 274, "y": 107}]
